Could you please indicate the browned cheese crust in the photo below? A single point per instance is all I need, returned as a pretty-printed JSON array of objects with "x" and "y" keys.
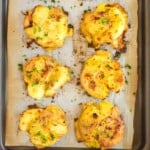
[
  {"x": 45, "y": 126},
  {"x": 101, "y": 75},
  {"x": 99, "y": 125}
]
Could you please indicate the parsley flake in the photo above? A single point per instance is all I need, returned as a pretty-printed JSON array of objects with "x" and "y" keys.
[
  {"x": 52, "y": 136},
  {"x": 104, "y": 20},
  {"x": 38, "y": 133},
  {"x": 43, "y": 138},
  {"x": 70, "y": 26},
  {"x": 117, "y": 55},
  {"x": 39, "y": 38},
  {"x": 128, "y": 66},
  {"x": 46, "y": 34},
  {"x": 20, "y": 67},
  {"x": 35, "y": 83},
  {"x": 49, "y": 6}
]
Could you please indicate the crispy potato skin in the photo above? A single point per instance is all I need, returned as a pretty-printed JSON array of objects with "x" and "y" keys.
[
  {"x": 48, "y": 27},
  {"x": 45, "y": 126},
  {"x": 44, "y": 76},
  {"x": 99, "y": 125},
  {"x": 101, "y": 74},
  {"x": 106, "y": 24}
]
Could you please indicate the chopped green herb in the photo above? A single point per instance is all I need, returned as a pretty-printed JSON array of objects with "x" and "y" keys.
[
  {"x": 52, "y": 136},
  {"x": 128, "y": 66},
  {"x": 20, "y": 67},
  {"x": 38, "y": 133},
  {"x": 117, "y": 55},
  {"x": 43, "y": 138},
  {"x": 104, "y": 20},
  {"x": 49, "y": 6},
  {"x": 88, "y": 94},
  {"x": 70, "y": 26},
  {"x": 39, "y": 38},
  {"x": 35, "y": 70},
  {"x": 46, "y": 34},
  {"x": 126, "y": 81},
  {"x": 29, "y": 75},
  {"x": 35, "y": 83},
  {"x": 108, "y": 66},
  {"x": 53, "y": 1}
]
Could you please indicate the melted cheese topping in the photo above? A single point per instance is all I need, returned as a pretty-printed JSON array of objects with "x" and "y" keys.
[
  {"x": 101, "y": 74},
  {"x": 44, "y": 76},
  {"x": 99, "y": 125},
  {"x": 107, "y": 24},
  {"x": 47, "y": 26},
  {"x": 45, "y": 126}
]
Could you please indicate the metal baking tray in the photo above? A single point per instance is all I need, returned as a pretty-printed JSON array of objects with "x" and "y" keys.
[{"x": 141, "y": 121}]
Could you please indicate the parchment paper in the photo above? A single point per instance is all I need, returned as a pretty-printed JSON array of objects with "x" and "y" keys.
[{"x": 71, "y": 54}]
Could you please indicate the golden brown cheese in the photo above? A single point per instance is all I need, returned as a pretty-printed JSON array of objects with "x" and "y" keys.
[
  {"x": 101, "y": 74},
  {"x": 99, "y": 125},
  {"x": 106, "y": 24},
  {"x": 44, "y": 76},
  {"x": 45, "y": 126},
  {"x": 47, "y": 26}
]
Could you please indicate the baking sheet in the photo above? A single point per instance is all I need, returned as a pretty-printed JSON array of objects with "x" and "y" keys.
[{"x": 72, "y": 54}]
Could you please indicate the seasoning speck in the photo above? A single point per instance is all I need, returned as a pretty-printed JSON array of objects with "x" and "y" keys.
[{"x": 95, "y": 115}]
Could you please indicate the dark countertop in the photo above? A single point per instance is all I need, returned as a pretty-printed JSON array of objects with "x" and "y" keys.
[{"x": 147, "y": 49}]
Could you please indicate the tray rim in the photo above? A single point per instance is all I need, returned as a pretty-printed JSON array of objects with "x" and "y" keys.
[{"x": 143, "y": 86}]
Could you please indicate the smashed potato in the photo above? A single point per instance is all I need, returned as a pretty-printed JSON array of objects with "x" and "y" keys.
[
  {"x": 44, "y": 76},
  {"x": 45, "y": 126},
  {"x": 99, "y": 125},
  {"x": 107, "y": 24},
  {"x": 47, "y": 26},
  {"x": 101, "y": 74}
]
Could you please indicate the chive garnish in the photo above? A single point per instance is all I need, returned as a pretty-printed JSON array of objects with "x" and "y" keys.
[{"x": 20, "y": 67}]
